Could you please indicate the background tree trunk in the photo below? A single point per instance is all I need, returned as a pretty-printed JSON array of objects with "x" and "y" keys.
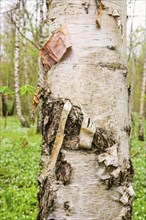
[
  {"x": 3, "y": 104},
  {"x": 141, "y": 112},
  {"x": 92, "y": 75},
  {"x": 24, "y": 42},
  {"x": 26, "y": 77},
  {"x": 40, "y": 71},
  {"x": 23, "y": 121}
]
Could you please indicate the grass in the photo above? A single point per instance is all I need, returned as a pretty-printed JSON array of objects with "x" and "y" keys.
[{"x": 19, "y": 166}]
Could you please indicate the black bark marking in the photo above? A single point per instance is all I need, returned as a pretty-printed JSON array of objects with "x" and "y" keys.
[
  {"x": 111, "y": 47},
  {"x": 46, "y": 198},
  {"x": 63, "y": 170}
]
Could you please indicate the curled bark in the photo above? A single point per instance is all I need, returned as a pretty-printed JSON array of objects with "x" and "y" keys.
[{"x": 103, "y": 144}]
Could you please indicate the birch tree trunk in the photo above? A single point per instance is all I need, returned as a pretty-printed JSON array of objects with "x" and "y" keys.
[
  {"x": 3, "y": 102},
  {"x": 26, "y": 77},
  {"x": 16, "y": 69},
  {"x": 25, "y": 61},
  {"x": 141, "y": 112},
  {"x": 85, "y": 113},
  {"x": 40, "y": 71}
]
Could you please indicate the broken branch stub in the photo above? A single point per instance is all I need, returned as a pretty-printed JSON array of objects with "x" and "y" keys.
[{"x": 55, "y": 48}]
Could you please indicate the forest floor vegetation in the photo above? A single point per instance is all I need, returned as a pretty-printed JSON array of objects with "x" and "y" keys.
[{"x": 19, "y": 167}]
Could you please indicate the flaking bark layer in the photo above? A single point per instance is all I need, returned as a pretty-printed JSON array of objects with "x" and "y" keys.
[{"x": 103, "y": 143}]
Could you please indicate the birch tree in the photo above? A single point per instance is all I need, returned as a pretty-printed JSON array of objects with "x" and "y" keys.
[
  {"x": 3, "y": 102},
  {"x": 40, "y": 76},
  {"x": 24, "y": 48},
  {"x": 86, "y": 171},
  {"x": 16, "y": 68},
  {"x": 24, "y": 41},
  {"x": 141, "y": 112}
]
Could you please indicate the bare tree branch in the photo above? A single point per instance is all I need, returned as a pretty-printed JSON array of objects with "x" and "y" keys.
[{"x": 11, "y": 18}]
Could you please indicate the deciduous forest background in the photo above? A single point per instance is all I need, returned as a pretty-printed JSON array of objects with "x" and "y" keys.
[{"x": 24, "y": 30}]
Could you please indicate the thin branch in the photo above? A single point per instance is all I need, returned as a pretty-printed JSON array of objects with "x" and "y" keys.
[
  {"x": 13, "y": 9},
  {"x": 28, "y": 17},
  {"x": 9, "y": 16}
]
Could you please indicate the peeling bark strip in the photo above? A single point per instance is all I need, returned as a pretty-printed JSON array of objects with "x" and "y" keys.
[
  {"x": 55, "y": 48},
  {"x": 60, "y": 135},
  {"x": 65, "y": 127},
  {"x": 57, "y": 143},
  {"x": 87, "y": 132}
]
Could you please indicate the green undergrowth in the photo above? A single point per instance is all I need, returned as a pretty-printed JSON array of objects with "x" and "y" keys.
[
  {"x": 138, "y": 156},
  {"x": 19, "y": 166}
]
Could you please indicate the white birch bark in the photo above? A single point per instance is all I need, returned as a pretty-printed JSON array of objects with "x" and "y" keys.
[
  {"x": 24, "y": 43},
  {"x": 93, "y": 76},
  {"x": 40, "y": 70},
  {"x": 3, "y": 101},
  {"x": 16, "y": 70},
  {"x": 141, "y": 112}
]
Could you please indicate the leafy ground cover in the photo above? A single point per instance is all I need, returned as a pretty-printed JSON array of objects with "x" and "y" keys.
[
  {"x": 138, "y": 156},
  {"x": 19, "y": 166}
]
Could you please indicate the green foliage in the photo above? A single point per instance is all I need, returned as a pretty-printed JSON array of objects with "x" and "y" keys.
[
  {"x": 138, "y": 155},
  {"x": 19, "y": 166},
  {"x": 27, "y": 89},
  {"x": 7, "y": 65},
  {"x": 6, "y": 90},
  {"x": 136, "y": 66}
]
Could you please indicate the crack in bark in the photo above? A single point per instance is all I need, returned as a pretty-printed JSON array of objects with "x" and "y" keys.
[{"x": 113, "y": 66}]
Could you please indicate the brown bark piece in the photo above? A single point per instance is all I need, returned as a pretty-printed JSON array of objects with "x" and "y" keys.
[
  {"x": 60, "y": 135},
  {"x": 55, "y": 48},
  {"x": 35, "y": 101},
  {"x": 100, "y": 7}
]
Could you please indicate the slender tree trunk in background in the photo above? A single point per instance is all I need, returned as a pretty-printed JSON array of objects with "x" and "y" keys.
[
  {"x": 92, "y": 178},
  {"x": 141, "y": 112},
  {"x": 3, "y": 105},
  {"x": 23, "y": 121},
  {"x": 25, "y": 63},
  {"x": 11, "y": 112},
  {"x": 24, "y": 44},
  {"x": 40, "y": 75}
]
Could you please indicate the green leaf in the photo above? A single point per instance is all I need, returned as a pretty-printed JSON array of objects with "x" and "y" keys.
[
  {"x": 26, "y": 89},
  {"x": 6, "y": 90}
]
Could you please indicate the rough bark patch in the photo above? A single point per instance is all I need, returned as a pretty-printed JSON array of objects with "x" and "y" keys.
[
  {"x": 46, "y": 197},
  {"x": 103, "y": 145}
]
